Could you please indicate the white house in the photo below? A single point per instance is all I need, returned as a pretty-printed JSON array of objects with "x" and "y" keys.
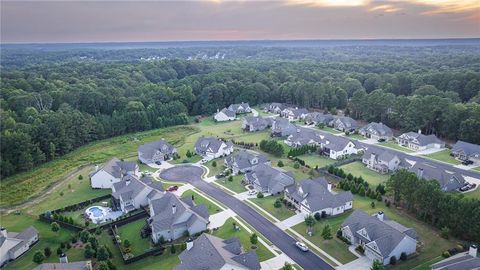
[
  {"x": 210, "y": 148},
  {"x": 419, "y": 142},
  {"x": 267, "y": 179},
  {"x": 381, "y": 160},
  {"x": 132, "y": 193},
  {"x": 155, "y": 151},
  {"x": 112, "y": 172},
  {"x": 336, "y": 147},
  {"x": 12, "y": 244},
  {"x": 315, "y": 196},
  {"x": 240, "y": 108},
  {"x": 381, "y": 237},
  {"x": 377, "y": 131},
  {"x": 225, "y": 115},
  {"x": 171, "y": 217}
]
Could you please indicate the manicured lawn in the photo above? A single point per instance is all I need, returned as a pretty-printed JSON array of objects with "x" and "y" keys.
[
  {"x": 396, "y": 146},
  {"x": 200, "y": 199},
  {"x": 477, "y": 169},
  {"x": 335, "y": 247},
  {"x": 427, "y": 265},
  {"x": 313, "y": 160},
  {"x": 331, "y": 130},
  {"x": 214, "y": 170},
  {"x": 227, "y": 232},
  {"x": 266, "y": 203},
  {"x": 356, "y": 137},
  {"x": 23, "y": 186},
  {"x": 473, "y": 194},
  {"x": 236, "y": 185},
  {"x": 359, "y": 169},
  {"x": 444, "y": 156},
  {"x": 131, "y": 232}
]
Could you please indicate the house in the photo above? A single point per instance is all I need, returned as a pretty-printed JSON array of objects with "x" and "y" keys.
[
  {"x": 267, "y": 179},
  {"x": 304, "y": 137},
  {"x": 294, "y": 113},
  {"x": 418, "y": 141},
  {"x": 448, "y": 181},
  {"x": 462, "y": 261},
  {"x": 466, "y": 151},
  {"x": 210, "y": 147},
  {"x": 377, "y": 131},
  {"x": 256, "y": 123},
  {"x": 225, "y": 115},
  {"x": 315, "y": 196},
  {"x": 381, "y": 160},
  {"x": 275, "y": 108},
  {"x": 240, "y": 108},
  {"x": 112, "y": 172},
  {"x": 381, "y": 237},
  {"x": 281, "y": 127},
  {"x": 80, "y": 265},
  {"x": 13, "y": 245},
  {"x": 171, "y": 217},
  {"x": 337, "y": 147},
  {"x": 132, "y": 193},
  {"x": 156, "y": 151},
  {"x": 343, "y": 123},
  {"x": 244, "y": 161},
  {"x": 316, "y": 118},
  {"x": 213, "y": 253}
]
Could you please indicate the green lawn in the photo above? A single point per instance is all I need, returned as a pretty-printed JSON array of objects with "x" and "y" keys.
[
  {"x": 200, "y": 199},
  {"x": 331, "y": 130},
  {"x": 473, "y": 194},
  {"x": 23, "y": 186},
  {"x": 335, "y": 247},
  {"x": 477, "y": 169},
  {"x": 356, "y": 137},
  {"x": 131, "y": 231},
  {"x": 227, "y": 232},
  {"x": 236, "y": 185},
  {"x": 266, "y": 203},
  {"x": 396, "y": 146},
  {"x": 217, "y": 169},
  {"x": 359, "y": 169},
  {"x": 444, "y": 156},
  {"x": 313, "y": 160}
]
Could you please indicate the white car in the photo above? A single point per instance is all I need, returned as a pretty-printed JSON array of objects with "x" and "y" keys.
[
  {"x": 302, "y": 246},
  {"x": 252, "y": 192}
]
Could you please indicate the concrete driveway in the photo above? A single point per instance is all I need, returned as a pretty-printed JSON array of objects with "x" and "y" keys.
[{"x": 362, "y": 263}]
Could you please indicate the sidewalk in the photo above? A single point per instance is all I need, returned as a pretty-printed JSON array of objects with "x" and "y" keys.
[
  {"x": 276, "y": 262},
  {"x": 217, "y": 220}
]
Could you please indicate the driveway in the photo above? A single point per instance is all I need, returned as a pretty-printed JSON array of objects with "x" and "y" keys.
[
  {"x": 362, "y": 263},
  {"x": 291, "y": 221},
  {"x": 283, "y": 241}
]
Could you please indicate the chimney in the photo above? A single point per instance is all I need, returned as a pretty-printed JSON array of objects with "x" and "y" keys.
[
  {"x": 189, "y": 243},
  {"x": 473, "y": 251},
  {"x": 127, "y": 181},
  {"x": 3, "y": 232},
  {"x": 329, "y": 187},
  {"x": 63, "y": 258},
  {"x": 174, "y": 209},
  {"x": 96, "y": 167},
  {"x": 420, "y": 173},
  {"x": 380, "y": 215},
  {"x": 419, "y": 131}
]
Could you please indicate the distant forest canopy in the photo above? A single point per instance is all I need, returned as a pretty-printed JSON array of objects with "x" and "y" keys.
[{"x": 53, "y": 101}]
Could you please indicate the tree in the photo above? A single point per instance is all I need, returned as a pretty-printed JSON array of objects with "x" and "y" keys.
[
  {"x": 372, "y": 205},
  {"x": 102, "y": 254},
  {"x": 254, "y": 239},
  {"x": 230, "y": 178},
  {"x": 445, "y": 232},
  {"x": 47, "y": 251},
  {"x": 55, "y": 227},
  {"x": 377, "y": 265},
  {"x": 38, "y": 257},
  {"x": 59, "y": 251},
  {"x": 310, "y": 222},
  {"x": 277, "y": 203},
  {"x": 103, "y": 266},
  {"x": 126, "y": 243},
  {"x": 327, "y": 232},
  {"x": 317, "y": 216},
  {"x": 296, "y": 165},
  {"x": 280, "y": 163},
  {"x": 214, "y": 163},
  {"x": 403, "y": 256},
  {"x": 393, "y": 260},
  {"x": 80, "y": 177},
  {"x": 172, "y": 249},
  {"x": 287, "y": 266},
  {"x": 260, "y": 195}
]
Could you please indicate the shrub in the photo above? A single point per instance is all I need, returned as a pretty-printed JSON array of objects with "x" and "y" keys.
[
  {"x": 254, "y": 239},
  {"x": 55, "y": 227},
  {"x": 278, "y": 203},
  {"x": 47, "y": 251},
  {"x": 445, "y": 232},
  {"x": 59, "y": 251},
  {"x": 372, "y": 205},
  {"x": 280, "y": 163},
  {"x": 38, "y": 257},
  {"x": 446, "y": 254},
  {"x": 172, "y": 249},
  {"x": 80, "y": 177},
  {"x": 98, "y": 231},
  {"x": 296, "y": 165},
  {"x": 403, "y": 256},
  {"x": 393, "y": 260},
  {"x": 230, "y": 178},
  {"x": 126, "y": 243},
  {"x": 68, "y": 246},
  {"x": 260, "y": 195},
  {"x": 317, "y": 216},
  {"x": 214, "y": 164},
  {"x": 360, "y": 249},
  {"x": 339, "y": 233},
  {"x": 62, "y": 245}
]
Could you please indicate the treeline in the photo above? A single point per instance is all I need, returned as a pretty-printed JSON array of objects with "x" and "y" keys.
[
  {"x": 273, "y": 147},
  {"x": 449, "y": 212}
]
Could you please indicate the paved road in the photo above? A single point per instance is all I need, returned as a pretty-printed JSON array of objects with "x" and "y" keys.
[{"x": 283, "y": 241}]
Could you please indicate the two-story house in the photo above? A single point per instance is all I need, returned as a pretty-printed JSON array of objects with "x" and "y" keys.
[{"x": 112, "y": 172}]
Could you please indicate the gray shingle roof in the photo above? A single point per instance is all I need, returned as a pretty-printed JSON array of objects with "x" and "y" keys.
[
  {"x": 469, "y": 149},
  {"x": 348, "y": 122},
  {"x": 304, "y": 137},
  {"x": 317, "y": 196},
  {"x": 258, "y": 122},
  {"x": 244, "y": 160},
  {"x": 283, "y": 126},
  {"x": 235, "y": 107},
  {"x": 117, "y": 168},
  {"x": 318, "y": 118},
  {"x": 336, "y": 143},
  {"x": 387, "y": 235},
  {"x": 422, "y": 139},
  {"x": 449, "y": 181},
  {"x": 82, "y": 265},
  {"x": 381, "y": 154},
  {"x": 131, "y": 186},
  {"x": 378, "y": 129},
  {"x": 228, "y": 112},
  {"x": 207, "y": 144},
  {"x": 459, "y": 262},
  {"x": 148, "y": 150},
  {"x": 269, "y": 178},
  {"x": 24, "y": 236},
  {"x": 212, "y": 253}
]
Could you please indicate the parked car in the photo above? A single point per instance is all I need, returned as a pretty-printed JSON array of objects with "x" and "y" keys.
[
  {"x": 301, "y": 246},
  {"x": 172, "y": 188},
  {"x": 203, "y": 161},
  {"x": 467, "y": 162},
  {"x": 158, "y": 162},
  {"x": 252, "y": 192}
]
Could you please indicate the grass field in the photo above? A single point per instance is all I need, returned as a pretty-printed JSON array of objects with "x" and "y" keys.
[
  {"x": 444, "y": 156},
  {"x": 235, "y": 185},
  {"x": 131, "y": 232},
  {"x": 335, "y": 247},
  {"x": 219, "y": 167},
  {"x": 313, "y": 160},
  {"x": 356, "y": 137},
  {"x": 23, "y": 186},
  {"x": 227, "y": 232},
  {"x": 477, "y": 169},
  {"x": 358, "y": 169},
  {"x": 473, "y": 194},
  {"x": 331, "y": 130},
  {"x": 396, "y": 146},
  {"x": 200, "y": 199},
  {"x": 266, "y": 203}
]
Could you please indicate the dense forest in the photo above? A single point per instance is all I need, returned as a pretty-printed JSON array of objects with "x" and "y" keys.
[{"x": 53, "y": 101}]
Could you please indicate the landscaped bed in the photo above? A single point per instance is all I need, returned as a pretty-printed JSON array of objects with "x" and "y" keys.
[
  {"x": 359, "y": 169},
  {"x": 266, "y": 203},
  {"x": 444, "y": 156}
]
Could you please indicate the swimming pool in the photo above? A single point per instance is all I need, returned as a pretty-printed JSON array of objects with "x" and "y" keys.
[{"x": 97, "y": 214}]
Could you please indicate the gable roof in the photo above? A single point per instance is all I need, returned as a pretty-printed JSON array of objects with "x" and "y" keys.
[
  {"x": 458, "y": 262},
  {"x": 386, "y": 234},
  {"x": 257, "y": 121},
  {"x": 270, "y": 178},
  {"x": 148, "y": 150},
  {"x": 383, "y": 155},
  {"x": 315, "y": 194},
  {"x": 348, "y": 122},
  {"x": 117, "y": 168},
  {"x": 449, "y": 181},
  {"x": 336, "y": 143},
  {"x": 469, "y": 149},
  {"x": 235, "y": 107},
  {"x": 422, "y": 140},
  {"x": 319, "y": 117},
  {"x": 186, "y": 212},
  {"x": 304, "y": 137},
  {"x": 208, "y": 144},
  {"x": 379, "y": 129},
  {"x": 17, "y": 239},
  {"x": 131, "y": 186},
  {"x": 282, "y": 125},
  {"x": 244, "y": 159},
  {"x": 212, "y": 253},
  {"x": 228, "y": 112}
]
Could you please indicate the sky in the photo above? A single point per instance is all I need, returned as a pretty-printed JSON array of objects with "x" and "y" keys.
[{"x": 39, "y": 21}]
